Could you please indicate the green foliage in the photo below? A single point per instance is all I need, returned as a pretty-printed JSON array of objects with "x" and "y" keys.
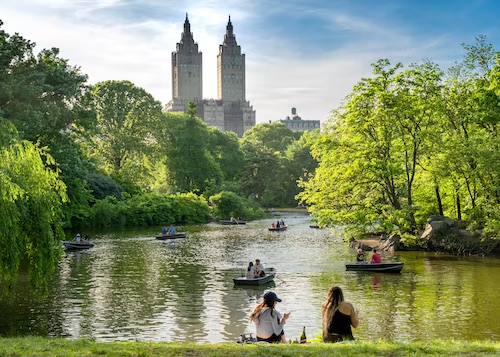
[
  {"x": 189, "y": 163},
  {"x": 148, "y": 209},
  {"x": 126, "y": 116},
  {"x": 31, "y": 197},
  {"x": 273, "y": 163},
  {"x": 107, "y": 212},
  {"x": 229, "y": 204},
  {"x": 101, "y": 186},
  {"x": 40, "y": 93}
]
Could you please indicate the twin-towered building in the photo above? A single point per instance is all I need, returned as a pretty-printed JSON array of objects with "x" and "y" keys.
[{"x": 230, "y": 111}]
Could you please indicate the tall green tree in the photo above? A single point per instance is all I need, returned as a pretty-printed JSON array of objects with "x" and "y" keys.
[
  {"x": 189, "y": 165},
  {"x": 127, "y": 117}
]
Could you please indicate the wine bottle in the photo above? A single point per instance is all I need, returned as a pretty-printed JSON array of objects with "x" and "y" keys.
[{"x": 303, "y": 338}]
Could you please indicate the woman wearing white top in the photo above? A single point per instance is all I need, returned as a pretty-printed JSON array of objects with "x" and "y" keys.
[
  {"x": 250, "y": 272},
  {"x": 269, "y": 322}
]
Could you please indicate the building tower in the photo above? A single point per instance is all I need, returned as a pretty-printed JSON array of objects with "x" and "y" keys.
[
  {"x": 187, "y": 68},
  {"x": 230, "y": 68}
]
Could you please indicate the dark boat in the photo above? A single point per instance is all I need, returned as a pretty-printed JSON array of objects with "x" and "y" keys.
[
  {"x": 270, "y": 273},
  {"x": 231, "y": 223},
  {"x": 278, "y": 229},
  {"x": 72, "y": 245},
  {"x": 388, "y": 267},
  {"x": 172, "y": 236},
  {"x": 313, "y": 226}
]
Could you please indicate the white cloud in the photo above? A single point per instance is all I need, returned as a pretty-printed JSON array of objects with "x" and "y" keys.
[{"x": 279, "y": 75}]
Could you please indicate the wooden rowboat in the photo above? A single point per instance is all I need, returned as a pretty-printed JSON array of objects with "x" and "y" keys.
[
  {"x": 172, "y": 236},
  {"x": 72, "y": 245},
  {"x": 278, "y": 229},
  {"x": 388, "y": 267},
  {"x": 270, "y": 273},
  {"x": 231, "y": 223}
]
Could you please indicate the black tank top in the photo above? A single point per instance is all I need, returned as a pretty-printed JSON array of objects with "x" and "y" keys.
[{"x": 340, "y": 324}]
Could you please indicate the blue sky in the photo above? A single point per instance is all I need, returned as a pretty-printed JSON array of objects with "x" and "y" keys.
[{"x": 299, "y": 53}]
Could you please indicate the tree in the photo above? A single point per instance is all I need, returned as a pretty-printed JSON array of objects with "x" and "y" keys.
[
  {"x": 188, "y": 161},
  {"x": 40, "y": 94},
  {"x": 31, "y": 197},
  {"x": 127, "y": 117}
]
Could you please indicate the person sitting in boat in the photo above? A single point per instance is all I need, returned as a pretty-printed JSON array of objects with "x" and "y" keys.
[
  {"x": 273, "y": 225},
  {"x": 268, "y": 321},
  {"x": 171, "y": 231},
  {"x": 232, "y": 219},
  {"x": 164, "y": 231},
  {"x": 360, "y": 257},
  {"x": 376, "y": 258},
  {"x": 282, "y": 223},
  {"x": 78, "y": 238},
  {"x": 86, "y": 238},
  {"x": 278, "y": 224},
  {"x": 250, "y": 272},
  {"x": 258, "y": 269},
  {"x": 337, "y": 317}
]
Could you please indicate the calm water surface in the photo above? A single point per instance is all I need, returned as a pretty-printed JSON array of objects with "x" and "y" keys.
[{"x": 133, "y": 287}]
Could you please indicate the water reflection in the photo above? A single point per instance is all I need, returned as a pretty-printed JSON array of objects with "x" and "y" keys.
[{"x": 131, "y": 286}]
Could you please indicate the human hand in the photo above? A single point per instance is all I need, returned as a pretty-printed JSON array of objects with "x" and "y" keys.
[{"x": 286, "y": 315}]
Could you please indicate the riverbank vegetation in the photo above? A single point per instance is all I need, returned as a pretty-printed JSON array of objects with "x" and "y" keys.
[
  {"x": 36, "y": 346},
  {"x": 410, "y": 143}
]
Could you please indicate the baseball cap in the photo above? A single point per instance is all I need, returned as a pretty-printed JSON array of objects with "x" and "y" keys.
[{"x": 271, "y": 297}]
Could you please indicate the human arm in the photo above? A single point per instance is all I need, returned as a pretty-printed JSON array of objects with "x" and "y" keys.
[{"x": 354, "y": 317}]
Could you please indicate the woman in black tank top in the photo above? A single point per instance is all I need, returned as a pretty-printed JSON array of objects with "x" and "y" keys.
[{"x": 338, "y": 316}]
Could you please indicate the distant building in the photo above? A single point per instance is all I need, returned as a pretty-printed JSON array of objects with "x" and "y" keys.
[
  {"x": 230, "y": 111},
  {"x": 296, "y": 123}
]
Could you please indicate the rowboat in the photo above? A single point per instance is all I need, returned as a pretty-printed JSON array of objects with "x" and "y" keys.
[
  {"x": 388, "y": 267},
  {"x": 313, "y": 226},
  {"x": 242, "y": 280},
  {"x": 278, "y": 229},
  {"x": 172, "y": 236},
  {"x": 230, "y": 223},
  {"x": 72, "y": 245}
]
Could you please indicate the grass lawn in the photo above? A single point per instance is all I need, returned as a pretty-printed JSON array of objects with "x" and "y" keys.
[{"x": 41, "y": 346}]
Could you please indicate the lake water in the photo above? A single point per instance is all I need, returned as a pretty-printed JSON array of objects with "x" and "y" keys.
[{"x": 133, "y": 287}]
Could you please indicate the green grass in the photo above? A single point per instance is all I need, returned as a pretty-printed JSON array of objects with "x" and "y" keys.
[{"x": 41, "y": 346}]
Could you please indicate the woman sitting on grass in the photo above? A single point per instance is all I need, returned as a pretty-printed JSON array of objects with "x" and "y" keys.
[{"x": 338, "y": 316}]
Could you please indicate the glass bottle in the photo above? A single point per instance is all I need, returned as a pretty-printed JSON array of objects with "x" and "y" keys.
[{"x": 303, "y": 338}]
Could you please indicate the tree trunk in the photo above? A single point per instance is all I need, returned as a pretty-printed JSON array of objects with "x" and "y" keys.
[
  {"x": 459, "y": 210},
  {"x": 438, "y": 198}
]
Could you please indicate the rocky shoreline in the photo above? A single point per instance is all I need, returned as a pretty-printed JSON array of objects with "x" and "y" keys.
[{"x": 441, "y": 234}]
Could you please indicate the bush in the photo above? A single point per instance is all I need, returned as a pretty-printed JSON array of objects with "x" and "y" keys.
[
  {"x": 229, "y": 204},
  {"x": 102, "y": 186}
]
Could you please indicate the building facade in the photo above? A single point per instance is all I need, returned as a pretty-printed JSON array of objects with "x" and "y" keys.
[
  {"x": 296, "y": 123},
  {"x": 230, "y": 111}
]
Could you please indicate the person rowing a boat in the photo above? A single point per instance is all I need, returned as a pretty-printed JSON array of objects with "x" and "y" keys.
[
  {"x": 376, "y": 258},
  {"x": 258, "y": 269},
  {"x": 78, "y": 238},
  {"x": 171, "y": 231}
]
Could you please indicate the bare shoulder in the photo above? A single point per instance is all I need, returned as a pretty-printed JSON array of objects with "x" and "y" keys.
[{"x": 346, "y": 307}]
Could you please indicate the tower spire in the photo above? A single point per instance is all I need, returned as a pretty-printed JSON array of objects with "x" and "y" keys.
[{"x": 229, "y": 38}]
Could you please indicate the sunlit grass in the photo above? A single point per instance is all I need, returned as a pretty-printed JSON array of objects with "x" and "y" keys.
[{"x": 39, "y": 346}]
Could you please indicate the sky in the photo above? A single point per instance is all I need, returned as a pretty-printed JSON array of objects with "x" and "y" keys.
[{"x": 299, "y": 53}]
